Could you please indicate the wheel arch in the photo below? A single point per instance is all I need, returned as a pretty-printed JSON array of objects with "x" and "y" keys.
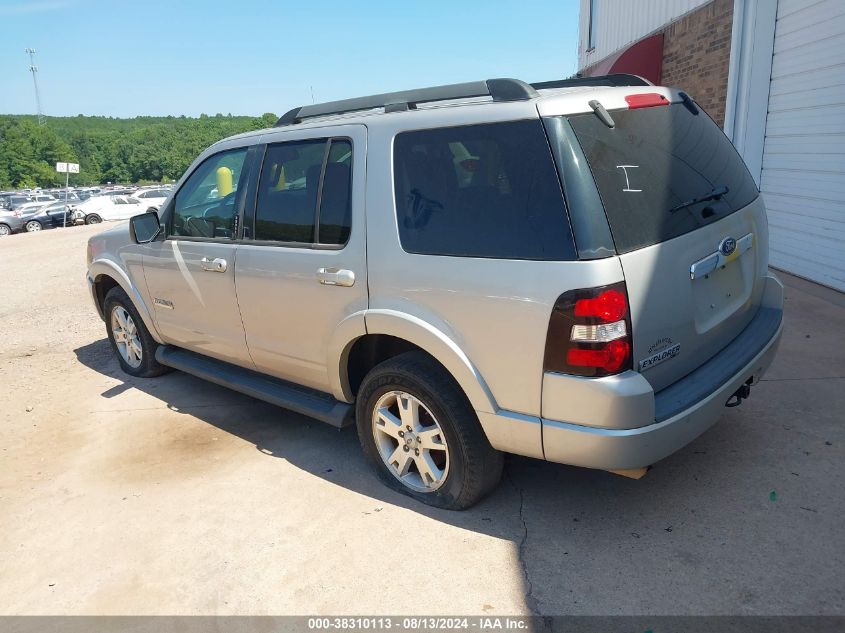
[
  {"x": 389, "y": 333},
  {"x": 107, "y": 275}
]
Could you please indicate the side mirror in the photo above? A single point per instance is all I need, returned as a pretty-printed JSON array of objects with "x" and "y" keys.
[{"x": 144, "y": 228}]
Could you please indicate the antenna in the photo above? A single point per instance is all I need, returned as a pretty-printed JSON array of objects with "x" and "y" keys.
[{"x": 34, "y": 69}]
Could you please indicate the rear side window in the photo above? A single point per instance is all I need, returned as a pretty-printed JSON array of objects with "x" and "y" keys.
[
  {"x": 304, "y": 193},
  {"x": 652, "y": 166},
  {"x": 480, "y": 191}
]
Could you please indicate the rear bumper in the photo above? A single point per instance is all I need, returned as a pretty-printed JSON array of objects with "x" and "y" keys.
[{"x": 612, "y": 449}]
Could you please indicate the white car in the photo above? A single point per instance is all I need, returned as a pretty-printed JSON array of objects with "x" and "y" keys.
[
  {"x": 108, "y": 208},
  {"x": 153, "y": 198}
]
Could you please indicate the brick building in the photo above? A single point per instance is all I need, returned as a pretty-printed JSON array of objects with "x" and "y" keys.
[{"x": 770, "y": 72}]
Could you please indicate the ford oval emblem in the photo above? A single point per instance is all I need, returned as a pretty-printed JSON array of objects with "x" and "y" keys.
[{"x": 727, "y": 246}]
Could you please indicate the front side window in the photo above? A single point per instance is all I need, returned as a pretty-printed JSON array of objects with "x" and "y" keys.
[
  {"x": 486, "y": 190},
  {"x": 205, "y": 205},
  {"x": 304, "y": 192}
]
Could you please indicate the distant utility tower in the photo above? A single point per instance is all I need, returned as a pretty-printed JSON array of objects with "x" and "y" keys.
[{"x": 34, "y": 70}]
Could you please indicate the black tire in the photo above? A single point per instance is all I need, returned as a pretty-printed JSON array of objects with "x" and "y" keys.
[
  {"x": 32, "y": 224},
  {"x": 475, "y": 467},
  {"x": 148, "y": 367},
  {"x": 93, "y": 219},
  {"x": 5, "y": 229}
]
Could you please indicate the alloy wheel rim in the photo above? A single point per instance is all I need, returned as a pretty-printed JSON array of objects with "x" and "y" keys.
[
  {"x": 33, "y": 226},
  {"x": 4, "y": 230},
  {"x": 410, "y": 441},
  {"x": 126, "y": 336}
]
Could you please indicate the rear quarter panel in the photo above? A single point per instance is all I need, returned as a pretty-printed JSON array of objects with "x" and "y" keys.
[{"x": 495, "y": 311}]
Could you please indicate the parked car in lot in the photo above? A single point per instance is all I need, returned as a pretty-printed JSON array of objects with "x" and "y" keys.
[
  {"x": 15, "y": 201},
  {"x": 574, "y": 271},
  {"x": 30, "y": 208},
  {"x": 153, "y": 198},
  {"x": 107, "y": 208},
  {"x": 50, "y": 216},
  {"x": 10, "y": 222}
]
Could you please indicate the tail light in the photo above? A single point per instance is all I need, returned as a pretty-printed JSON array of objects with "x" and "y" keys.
[{"x": 590, "y": 332}]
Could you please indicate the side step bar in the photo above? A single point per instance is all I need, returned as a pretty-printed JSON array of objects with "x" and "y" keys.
[{"x": 310, "y": 402}]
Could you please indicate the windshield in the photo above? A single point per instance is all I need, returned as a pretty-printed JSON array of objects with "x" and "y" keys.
[{"x": 662, "y": 172}]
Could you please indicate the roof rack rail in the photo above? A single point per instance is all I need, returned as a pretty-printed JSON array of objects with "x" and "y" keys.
[
  {"x": 498, "y": 89},
  {"x": 617, "y": 79}
]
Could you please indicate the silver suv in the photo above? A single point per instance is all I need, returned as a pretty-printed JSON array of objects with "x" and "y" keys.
[{"x": 574, "y": 271}]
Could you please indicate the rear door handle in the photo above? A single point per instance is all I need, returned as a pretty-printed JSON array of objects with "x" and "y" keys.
[
  {"x": 335, "y": 277},
  {"x": 216, "y": 265}
]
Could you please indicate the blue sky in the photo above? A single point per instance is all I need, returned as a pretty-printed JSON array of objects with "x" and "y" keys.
[{"x": 116, "y": 58}]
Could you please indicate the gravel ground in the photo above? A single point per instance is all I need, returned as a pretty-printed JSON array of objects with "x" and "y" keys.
[{"x": 174, "y": 496}]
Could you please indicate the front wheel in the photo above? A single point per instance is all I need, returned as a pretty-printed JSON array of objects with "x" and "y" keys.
[
  {"x": 33, "y": 226},
  {"x": 129, "y": 337},
  {"x": 419, "y": 430},
  {"x": 93, "y": 219}
]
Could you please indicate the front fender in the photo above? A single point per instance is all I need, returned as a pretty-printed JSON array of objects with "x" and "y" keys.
[
  {"x": 440, "y": 346},
  {"x": 105, "y": 267}
]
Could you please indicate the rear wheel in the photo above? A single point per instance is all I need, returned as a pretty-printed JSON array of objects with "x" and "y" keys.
[
  {"x": 420, "y": 432},
  {"x": 93, "y": 219},
  {"x": 5, "y": 230},
  {"x": 129, "y": 337},
  {"x": 33, "y": 226}
]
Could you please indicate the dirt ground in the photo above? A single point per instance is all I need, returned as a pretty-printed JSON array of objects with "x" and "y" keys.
[{"x": 174, "y": 496}]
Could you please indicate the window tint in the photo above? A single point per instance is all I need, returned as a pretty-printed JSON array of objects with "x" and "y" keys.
[
  {"x": 294, "y": 194},
  {"x": 653, "y": 161},
  {"x": 336, "y": 198},
  {"x": 287, "y": 192},
  {"x": 480, "y": 191},
  {"x": 205, "y": 205}
]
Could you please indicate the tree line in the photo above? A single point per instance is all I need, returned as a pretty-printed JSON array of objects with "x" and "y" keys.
[{"x": 140, "y": 149}]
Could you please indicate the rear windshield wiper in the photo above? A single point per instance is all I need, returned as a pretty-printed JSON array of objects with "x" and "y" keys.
[{"x": 714, "y": 194}]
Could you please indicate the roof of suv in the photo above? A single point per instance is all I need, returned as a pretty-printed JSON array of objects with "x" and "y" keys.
[{"x": 567, "y": 96}]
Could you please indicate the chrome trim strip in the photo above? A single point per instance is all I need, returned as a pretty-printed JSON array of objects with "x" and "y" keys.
[{"x": 715, "y": 260}]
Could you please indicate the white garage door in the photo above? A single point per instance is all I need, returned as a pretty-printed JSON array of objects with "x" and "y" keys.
[{"x": 803, "y": 177}]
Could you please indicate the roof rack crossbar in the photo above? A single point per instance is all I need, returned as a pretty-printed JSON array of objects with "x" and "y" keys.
[
  {"x": 617, "y": 79},
  {"x": 498, "y": 89}
]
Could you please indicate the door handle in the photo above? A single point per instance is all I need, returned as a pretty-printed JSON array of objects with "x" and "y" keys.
[
  {"x": 216, "y": 265},
  {"x": 335, "y": 277}
]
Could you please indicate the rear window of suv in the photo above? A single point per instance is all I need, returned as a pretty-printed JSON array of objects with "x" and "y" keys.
[
  {"x": 487, "y": 190},
  {"x": 653, "y": 164}
]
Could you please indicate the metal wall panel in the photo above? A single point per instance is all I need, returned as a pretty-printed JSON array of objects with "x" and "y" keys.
[
  {"x": 803, "y": 176},
  {"x": 621, "y": 22}
]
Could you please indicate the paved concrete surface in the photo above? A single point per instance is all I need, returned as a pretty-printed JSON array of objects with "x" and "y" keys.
[{"x": 171, "y": 495}]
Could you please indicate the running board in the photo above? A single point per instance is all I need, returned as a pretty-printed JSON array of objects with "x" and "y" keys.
[{"x": 310, "y": 402}]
